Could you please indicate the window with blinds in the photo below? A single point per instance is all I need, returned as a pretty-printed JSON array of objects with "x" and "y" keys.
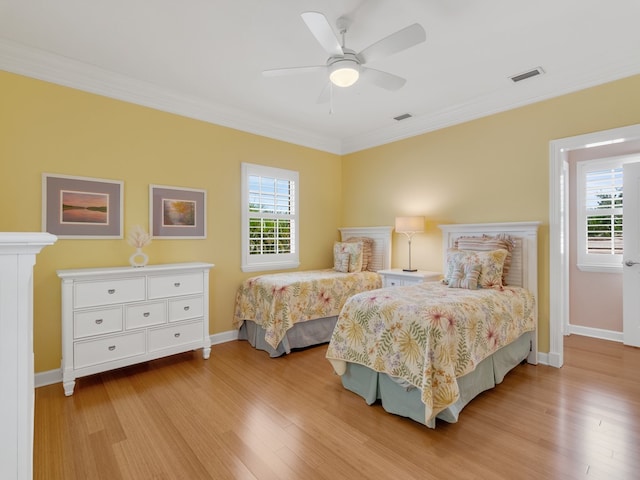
[
  {"x": 603, "y": 219},
  {"x": 600, "y": 237},
  {"x": 270, "y": 218}
]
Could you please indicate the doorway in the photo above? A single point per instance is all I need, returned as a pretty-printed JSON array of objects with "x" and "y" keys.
[{"x": 559, "y": 203}]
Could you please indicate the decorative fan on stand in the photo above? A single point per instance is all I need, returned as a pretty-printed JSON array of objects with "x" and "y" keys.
[{"x": 344, "y": 66}]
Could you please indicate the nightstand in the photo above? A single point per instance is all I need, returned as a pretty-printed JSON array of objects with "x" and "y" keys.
[{"x": 396, "y": 277}]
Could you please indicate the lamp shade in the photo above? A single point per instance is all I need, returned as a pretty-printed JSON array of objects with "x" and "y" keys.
[{"x": 409, "y": 224}]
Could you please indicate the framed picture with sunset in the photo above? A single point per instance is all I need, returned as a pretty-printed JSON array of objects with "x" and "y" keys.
[
  {"x": 177, "y": 212},
  {"x": 82, "y": 207}
]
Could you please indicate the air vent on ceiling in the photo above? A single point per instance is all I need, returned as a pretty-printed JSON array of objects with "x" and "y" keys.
[
  {"x": 531, "y": 73},
  {"x": 404, "y": 116}
]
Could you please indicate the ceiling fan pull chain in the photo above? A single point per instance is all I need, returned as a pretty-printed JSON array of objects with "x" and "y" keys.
[{"x": 330, "y": 98}]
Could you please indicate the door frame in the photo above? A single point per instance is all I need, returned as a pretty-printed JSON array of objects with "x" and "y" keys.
[{"x": 559, "y": 204}]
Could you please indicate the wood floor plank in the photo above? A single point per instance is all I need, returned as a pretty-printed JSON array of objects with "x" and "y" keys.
[{"x": 243, "y": 415}]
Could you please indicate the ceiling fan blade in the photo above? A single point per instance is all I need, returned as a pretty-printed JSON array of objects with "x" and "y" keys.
[
  {"x": 394, "y": 43},
  {"x": 278, "y": 72},
  {"x": 385, "y": 80},
  {"x": 320, "y": 28}
]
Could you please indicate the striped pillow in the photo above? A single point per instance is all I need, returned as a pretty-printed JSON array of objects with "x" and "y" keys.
[
  {"x": 367, "y": 250},
  {"x": 487, "y": 243}
]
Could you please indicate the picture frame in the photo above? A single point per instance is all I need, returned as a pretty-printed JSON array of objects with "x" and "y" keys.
[
  {"x": 82, "y": 207},
  {"x": 177, "y": 212}
]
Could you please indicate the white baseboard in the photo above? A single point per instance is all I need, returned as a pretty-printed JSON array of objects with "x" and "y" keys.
[
  {"x": 543, "y": 358},
  {"x": 554, "y": 359},
  {"x": 596, "y": 333},
  {"x": 228, "y": 336},
  {"x": 50, "y": 377},
  {"x": 43, "y": 379}
]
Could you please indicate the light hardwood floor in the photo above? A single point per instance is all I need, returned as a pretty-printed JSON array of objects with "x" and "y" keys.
[{"x": 243, "y": 415}]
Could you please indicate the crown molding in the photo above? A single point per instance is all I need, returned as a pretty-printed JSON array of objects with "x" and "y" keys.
[
  {"x": 482, "y": 107},
  {"x": 34, "y": 63}
]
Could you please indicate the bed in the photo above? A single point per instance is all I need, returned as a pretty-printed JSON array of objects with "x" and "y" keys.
[
  {"x": 425, "y": 351},
  {"x": 284, "y": 311}
]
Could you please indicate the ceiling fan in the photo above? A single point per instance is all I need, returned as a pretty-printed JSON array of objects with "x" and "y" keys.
[{"x": 344, "y": 66}]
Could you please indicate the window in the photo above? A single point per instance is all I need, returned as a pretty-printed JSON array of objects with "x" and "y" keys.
[
  {"x": 600, "y": 239},
  {"x": 269, "y": 218}
]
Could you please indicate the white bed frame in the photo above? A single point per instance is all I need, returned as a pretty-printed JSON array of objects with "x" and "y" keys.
[
  {"x": 381, "y": 255},
  {"x": 307, "y": 333},
  {"x": 524, "y": 258}
]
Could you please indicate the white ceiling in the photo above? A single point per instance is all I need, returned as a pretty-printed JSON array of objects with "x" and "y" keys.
[{"x": 204, "y": 58}]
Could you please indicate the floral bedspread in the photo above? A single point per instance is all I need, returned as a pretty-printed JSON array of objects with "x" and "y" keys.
[
  {"x": 278, "y": 301},
  {"x": 429, "y": 334}
]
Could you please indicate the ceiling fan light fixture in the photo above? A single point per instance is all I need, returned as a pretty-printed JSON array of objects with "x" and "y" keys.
[{"x": 344, "y": 73}]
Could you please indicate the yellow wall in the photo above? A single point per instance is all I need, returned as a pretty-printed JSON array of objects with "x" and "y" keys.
[
  {"x": 495, "y": 169},
  {"x": 53, "y": 129}
]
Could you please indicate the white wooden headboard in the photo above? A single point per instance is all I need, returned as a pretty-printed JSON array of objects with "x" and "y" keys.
[
  {"x": 524, "y": 258},
  {"x": 381, "y": 255}
]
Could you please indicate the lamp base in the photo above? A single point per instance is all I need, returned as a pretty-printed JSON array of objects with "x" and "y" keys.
[{"x": 409, "y": 269}]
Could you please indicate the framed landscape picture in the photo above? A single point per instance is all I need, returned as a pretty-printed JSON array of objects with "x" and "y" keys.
[
  {"x": 177, "y": 212},
  {"x": 82, "y": 207}
]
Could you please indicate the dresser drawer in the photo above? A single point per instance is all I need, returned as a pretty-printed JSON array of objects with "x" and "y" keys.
[
  {"x": 118, "y": 316},
  {"x": 97, "y": 322},
  {"x": 174, "y": 285},
  {"x": 107, "y": 292},
  {"x": 165, "y": 337},
  {"x": 145, "y": 314},
  {"x": 184, "y": 308},
  {"x": 88, "y": 353}
]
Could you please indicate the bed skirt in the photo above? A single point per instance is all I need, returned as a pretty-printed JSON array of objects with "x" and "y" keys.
[
  {"x": 397, "y": 399},
  {"x": 301, "y": 335}
]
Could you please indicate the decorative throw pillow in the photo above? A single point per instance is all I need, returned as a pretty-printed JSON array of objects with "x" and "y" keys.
[
  {"x": 487, "y": 243},
  {"x": 341, "y": 262},
  {"x": 465, "y": 276},
  {"x": 367, "y": 250},
  {"x": 492, "y": 264},
  {"x": 354, "y": 250}
]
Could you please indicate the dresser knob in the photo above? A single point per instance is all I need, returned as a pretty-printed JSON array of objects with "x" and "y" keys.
[
  {"x": 177, "y": 284},
  {"x": 98, "y": 321},
  {"x": 111, "y": 291},
  {"x": 112, "y": 348},
  {"x": 187, "y": 308},
  {"x": 146, "y": 314},
  {"x": 177, "y": 335}
]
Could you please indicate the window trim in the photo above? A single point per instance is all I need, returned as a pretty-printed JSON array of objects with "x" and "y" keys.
[
  {"x": 595, "y": 262},
  {"x": 257, "y": 263}
]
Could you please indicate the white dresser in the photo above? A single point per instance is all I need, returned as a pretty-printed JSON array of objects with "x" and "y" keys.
[
  {"x": 395, "y": 277},
  {"x": 114, "y": 317},
  {"x": 17, "y": 258}
]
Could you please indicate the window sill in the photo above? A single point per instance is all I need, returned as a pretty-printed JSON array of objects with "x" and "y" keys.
[
  {"x": 600, "y": 268},
  {"x": 262, "y": 267}
]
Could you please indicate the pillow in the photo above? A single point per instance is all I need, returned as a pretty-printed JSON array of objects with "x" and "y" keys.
[
  {"x": 487, "y": 243},
  {"x": 354, "y": 250},
  {"x": 465, "y": 276},
  {"x": 341, "y": 262},
  {"x": 367, "y": 250},
  {"x": 492, "y": 264}
]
